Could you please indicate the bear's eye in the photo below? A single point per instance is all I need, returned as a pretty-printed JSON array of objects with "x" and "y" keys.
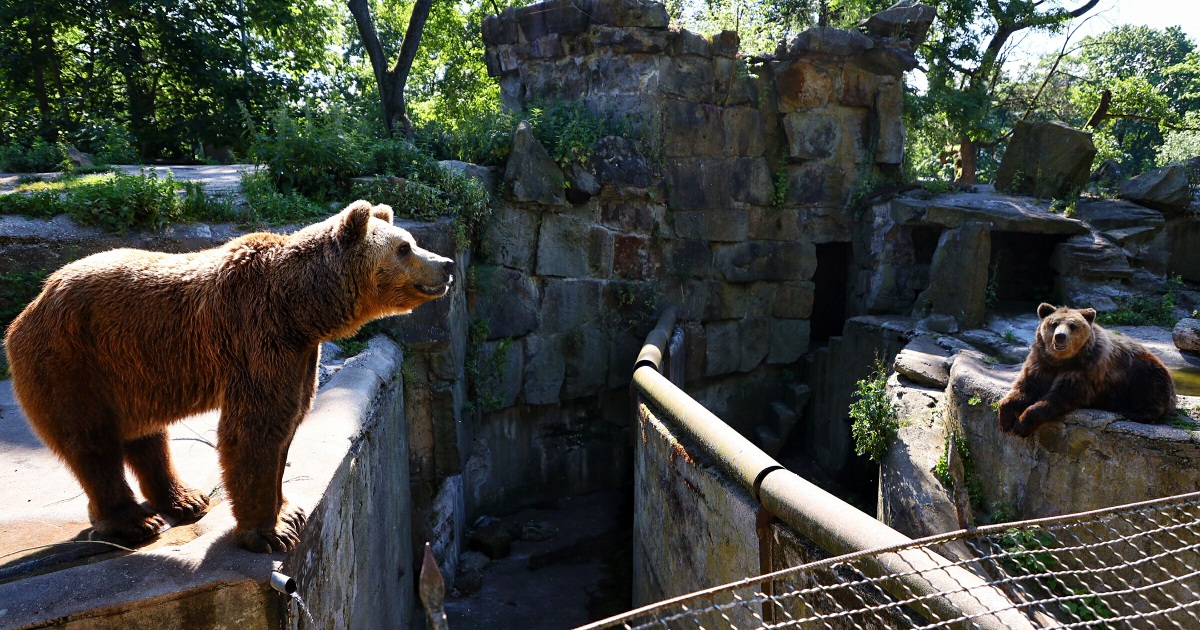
[
  {"x": 404, "y": 249},
  {"x": 1072, "y": 325}
]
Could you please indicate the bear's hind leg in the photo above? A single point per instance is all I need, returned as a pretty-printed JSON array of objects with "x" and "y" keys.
[
  {"x": 150, "y": 459},
  {"x": 100, "y": 468}
]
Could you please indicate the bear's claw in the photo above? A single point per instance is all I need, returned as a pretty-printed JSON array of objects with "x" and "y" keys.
[
  {"x": 187, "y": 505},
  {"x": 133, "y": 524},
  {"x": 282, "y": 538}
]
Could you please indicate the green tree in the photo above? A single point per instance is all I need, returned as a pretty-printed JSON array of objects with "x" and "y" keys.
[
  {"x": 1133, "y": 84},
  {"x": 169, "y": 73}
]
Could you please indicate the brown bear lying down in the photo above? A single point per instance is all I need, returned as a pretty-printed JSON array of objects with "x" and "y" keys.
[
  {"x": 1073, "y": 364},
  {"x": 121, "y": 344}
]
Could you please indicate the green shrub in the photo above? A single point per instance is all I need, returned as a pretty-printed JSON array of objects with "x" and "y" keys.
[
  {"x": 118, "y": 202},
  {"x": 17, "y": 289},
  {"x": 569, "y": 131},
  {"x": 314, "y": 155},
  {"x": 201, "y": 206},
  {"x": 1146, "y": 310},
  {"x": 876, "y": 418},
  {"x": 36, "y": 157},
  {"x": 266, "y": 204},
  {"x": 483, "y": 137}
]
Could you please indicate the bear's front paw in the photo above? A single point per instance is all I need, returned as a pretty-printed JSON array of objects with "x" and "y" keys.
[
  {"x": 186, "y": 505},
  {"x": 1031, "y": 419},
  {"x": 1009, "y": 414},
  {"x": 282, "y": 537},
  {"x": 132, "y": 523}
]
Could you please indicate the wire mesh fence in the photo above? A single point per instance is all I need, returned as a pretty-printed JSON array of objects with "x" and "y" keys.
[{"x": 1134, "y": 566}]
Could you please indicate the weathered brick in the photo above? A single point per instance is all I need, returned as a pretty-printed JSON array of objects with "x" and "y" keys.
[
  {"x": 636, "y": 257},
  {"x": 722, "y": 225},
  {"x": 812, "y": 136},
  {"x": 572, "y": 247},
  {"x": 766, "y": 260},
  {"x": 794, "y": 300},
  {"x": 569, "y": 303},
  {"x": 745, "y": 133},
  {"x": 789, "y": 340},
  {"x": 692, "y": 129},
  {"x": 802, "y": 85}
]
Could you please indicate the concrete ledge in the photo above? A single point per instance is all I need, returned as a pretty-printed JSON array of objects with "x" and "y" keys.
[{"x": 347, "y": 469}]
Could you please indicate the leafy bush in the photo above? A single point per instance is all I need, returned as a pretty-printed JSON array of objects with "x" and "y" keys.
[
  {"x": 876, "y": 419},
  {"x": 17, "y": 289},
  {"x": 265, "y": 203},
  {"x": 569, "y": 131},
  {"x": 483, "y": 137},
  {"x": 36, "y": 157},
  {"x": 314, "y": 155},
  {"x": 118, "y": 202}
]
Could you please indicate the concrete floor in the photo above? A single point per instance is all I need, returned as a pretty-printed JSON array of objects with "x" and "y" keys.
[{"x": 582, "y": 574}]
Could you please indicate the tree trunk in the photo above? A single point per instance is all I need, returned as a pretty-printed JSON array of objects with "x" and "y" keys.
[
  {"x": 968, "y": 157},
  {"x": 391, "y": 82}
]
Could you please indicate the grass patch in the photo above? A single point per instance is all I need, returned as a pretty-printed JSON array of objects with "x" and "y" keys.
[{"x": 876, "y": 417}]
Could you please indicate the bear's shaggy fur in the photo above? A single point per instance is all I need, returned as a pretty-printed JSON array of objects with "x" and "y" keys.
[
  {"x": 120, "y": 344},
  {"x": 1074, "y": 363}
]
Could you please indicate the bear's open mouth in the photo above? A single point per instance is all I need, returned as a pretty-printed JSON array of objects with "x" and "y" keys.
[
  {"x": 435, "y": 289},
  {"x": 1059, "y": 347}
]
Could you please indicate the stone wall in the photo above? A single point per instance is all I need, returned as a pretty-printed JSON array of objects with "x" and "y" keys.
[{"x": 730, "y": 176}]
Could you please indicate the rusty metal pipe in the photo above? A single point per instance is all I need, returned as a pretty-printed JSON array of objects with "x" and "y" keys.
[
  {"x": 656, "y": 342},
  {"x": 835, "y": 525}
]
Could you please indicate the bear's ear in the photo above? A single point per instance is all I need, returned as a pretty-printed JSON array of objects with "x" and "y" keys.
[
  {"x": 352, "y": 223},
  {"x": 382, "y": 211},
  {"x": 1045, "y": 309},
  {"x": 1089, "y": 314}
]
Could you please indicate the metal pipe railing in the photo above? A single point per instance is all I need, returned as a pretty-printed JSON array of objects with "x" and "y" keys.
[{"x": 945, "y": 591}]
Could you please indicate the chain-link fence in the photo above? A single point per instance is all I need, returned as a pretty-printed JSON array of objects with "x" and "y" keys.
[{"x": 1134, "y": 566}]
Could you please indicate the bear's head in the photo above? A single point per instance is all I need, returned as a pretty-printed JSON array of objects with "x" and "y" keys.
[
  {"x": 1064, "y": 331},
  {"x": 392, "y": 273}
]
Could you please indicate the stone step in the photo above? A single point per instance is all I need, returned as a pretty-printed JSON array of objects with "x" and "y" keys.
[
  {"x": 785, "y": 419},
  {"x": 768, "y": 440},
  {"x": 797, "y": 395}
]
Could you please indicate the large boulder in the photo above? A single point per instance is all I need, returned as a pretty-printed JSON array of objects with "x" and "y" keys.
[
  {"x": 829, "y": 40},
  {"x": 904, "y": 20},
  {"x": 1163, "y": 188},
  {"x": 1187, "y": 335},
  {"x": 531, "y": 175},
  {"x": 959, "y": 275},
  {"x": 1047, "y": 159}
]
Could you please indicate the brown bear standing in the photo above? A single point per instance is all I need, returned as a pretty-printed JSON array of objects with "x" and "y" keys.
[
  {"x": 1074, "y": 363},
  {"x": 120, "y": 344}
]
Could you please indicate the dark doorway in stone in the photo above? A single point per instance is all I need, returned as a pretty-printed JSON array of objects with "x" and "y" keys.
[
  {"x": 1019, "y": 272},
  {"x": 832, "y": 280}
]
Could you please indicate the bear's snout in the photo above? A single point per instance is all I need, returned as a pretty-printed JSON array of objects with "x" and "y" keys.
[{"x": 1060, "y": 338}]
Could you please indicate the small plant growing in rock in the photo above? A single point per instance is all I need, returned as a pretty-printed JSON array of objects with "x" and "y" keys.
[
  {"x": 975, "y": 401},
  {"x": 974, "y": 486},
  {"x": 1010, "y": 337},
  {"x": 876, "y": 417},
  {"x": 782, "y": 186}
]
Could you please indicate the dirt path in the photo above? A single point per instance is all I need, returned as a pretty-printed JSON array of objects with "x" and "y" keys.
[{"x": 216, "y": 178}]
